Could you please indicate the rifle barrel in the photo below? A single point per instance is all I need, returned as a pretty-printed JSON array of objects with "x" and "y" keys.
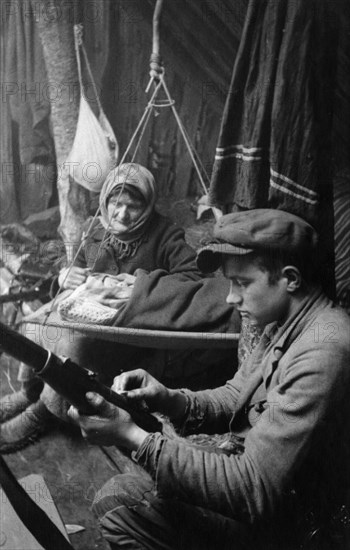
[
  {"x": 21, "y": 348},
  {"x": 67, "y": 378}
]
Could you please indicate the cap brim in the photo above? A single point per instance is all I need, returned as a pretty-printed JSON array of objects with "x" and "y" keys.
[{"x": 209, "y": 258}]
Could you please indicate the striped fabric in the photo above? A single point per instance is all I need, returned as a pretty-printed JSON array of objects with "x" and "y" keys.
[
  {"x": 248, "y": 154},
  {"x": 292, "y": 188},
  {"x": 285, "y": 123},
  {"x": 342, "y": 238},
  {"x": 275, "y": 132}
]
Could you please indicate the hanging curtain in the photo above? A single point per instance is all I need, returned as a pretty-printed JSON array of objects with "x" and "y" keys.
[
  {"x": 341, "y": 157},
  {"x": 275, "y": 143},
  {"x": 29, "y": 95},
  {"x": 275, "y": 128}
]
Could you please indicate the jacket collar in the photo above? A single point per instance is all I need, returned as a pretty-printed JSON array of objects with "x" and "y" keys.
[
  {"x": 296, "y": 323},
  {"x": 276, "y": 340}
]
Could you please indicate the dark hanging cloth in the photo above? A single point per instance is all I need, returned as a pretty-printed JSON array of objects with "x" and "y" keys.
[
  {"x": 274, "y": 138},
  {"x": 342, "y": 237},
  {"x": 27, "y": 86},
  {"x": 341, "y": 157}
]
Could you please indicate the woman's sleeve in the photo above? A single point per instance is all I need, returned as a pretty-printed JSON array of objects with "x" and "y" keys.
[
  {"x": 175, "y": 255},
  {"x": 81, "y": 260},
  {"x": 175, "y": 302}
]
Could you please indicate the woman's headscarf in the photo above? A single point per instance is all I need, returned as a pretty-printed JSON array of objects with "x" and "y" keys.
[{"x": 133, "y": 175}]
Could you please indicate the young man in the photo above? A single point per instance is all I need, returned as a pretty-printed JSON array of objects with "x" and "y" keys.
[{"x": 280, "y": 474}]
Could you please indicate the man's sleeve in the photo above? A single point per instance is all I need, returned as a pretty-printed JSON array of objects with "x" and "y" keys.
[
  {"x": 210, "y": 411},
  {"x": 300, "y": 412}
]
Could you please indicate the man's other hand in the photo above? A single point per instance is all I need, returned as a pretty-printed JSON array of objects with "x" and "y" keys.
[
  {"x": 139, "y": 387},
  {"x": 109, "y": 426}
]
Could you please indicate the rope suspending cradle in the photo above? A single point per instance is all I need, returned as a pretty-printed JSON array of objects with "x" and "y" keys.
[
  {"x": 144, "y": 337},
  {"x": 157, "y": 77}
]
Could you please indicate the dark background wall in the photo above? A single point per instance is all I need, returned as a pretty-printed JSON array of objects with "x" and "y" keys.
[{"x": 199, "y": 42}]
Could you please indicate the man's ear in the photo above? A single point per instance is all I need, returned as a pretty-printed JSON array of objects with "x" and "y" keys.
[{"x": 293, "y": 276}]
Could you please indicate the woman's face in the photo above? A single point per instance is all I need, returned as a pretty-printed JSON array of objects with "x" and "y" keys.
[{"x": 123, "y": 211}]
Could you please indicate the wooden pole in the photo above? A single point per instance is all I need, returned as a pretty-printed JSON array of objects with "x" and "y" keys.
[{"x": 55, "y": 20}]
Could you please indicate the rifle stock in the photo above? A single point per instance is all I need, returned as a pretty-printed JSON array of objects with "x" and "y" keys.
[{"x": 67, "y": 378}]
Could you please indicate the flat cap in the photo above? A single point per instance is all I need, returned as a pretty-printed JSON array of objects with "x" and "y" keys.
[{"x": 262, "y": 229}]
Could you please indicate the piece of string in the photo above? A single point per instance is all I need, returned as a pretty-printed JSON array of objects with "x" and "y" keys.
[
  {"x": 78, "y": 29},
  {"x": 78, "y": 42}
]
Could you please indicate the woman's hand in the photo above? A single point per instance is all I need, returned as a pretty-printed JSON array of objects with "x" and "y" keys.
[
  {"x": 110, "y": 297},
  {"x": 72, "y": 277},
  {"x": 140, "y": 388},
  {"x": 112, "y": 291},
  {"x": 109, "y": 426},
  {"x": 125, "y": 279}
]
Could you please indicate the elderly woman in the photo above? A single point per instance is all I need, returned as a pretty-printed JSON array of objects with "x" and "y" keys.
[{"x": 128, "y": 235}]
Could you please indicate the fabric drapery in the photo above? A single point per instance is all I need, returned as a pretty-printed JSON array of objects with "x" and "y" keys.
[
  {"x": 342, "y": 237},
  {"x": 29, "y": 96},
  {"x": 273, "y": 140}
]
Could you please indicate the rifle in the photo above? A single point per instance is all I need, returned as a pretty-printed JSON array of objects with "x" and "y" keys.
[
  {"x": 39, "y": 291},
  {"x": 69, "y": 379}
]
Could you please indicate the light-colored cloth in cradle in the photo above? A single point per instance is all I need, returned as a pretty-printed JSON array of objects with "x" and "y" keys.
[{"x": 83, "y": 305}]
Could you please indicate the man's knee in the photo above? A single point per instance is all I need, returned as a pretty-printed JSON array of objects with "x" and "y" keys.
[
  {"x": 124, "y": 490},
  {"x": 126, "y": 512}
]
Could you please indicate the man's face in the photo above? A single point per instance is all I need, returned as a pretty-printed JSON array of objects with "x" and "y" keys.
[
  {"x": 124, "y": 211},
  {"x": 253, "y": 295}
]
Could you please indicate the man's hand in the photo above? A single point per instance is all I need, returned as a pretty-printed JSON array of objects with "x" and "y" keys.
[
  {"x": 109, "y": 426},
  {"x": 139, "y": 387},
  {"x": 72, "y": 277}
]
